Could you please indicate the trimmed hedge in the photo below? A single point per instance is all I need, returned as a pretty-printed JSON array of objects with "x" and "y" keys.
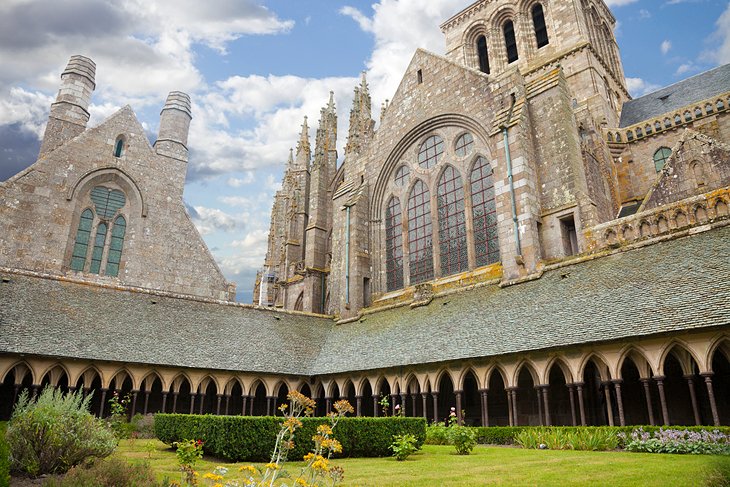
[
  {"x": 4, "y": 457},
  {"x": 505, "y": 435},
  {"x": 252, "y": 438}
]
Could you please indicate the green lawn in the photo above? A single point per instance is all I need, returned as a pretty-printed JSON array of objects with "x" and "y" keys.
[{"x": 438, "y": 465}]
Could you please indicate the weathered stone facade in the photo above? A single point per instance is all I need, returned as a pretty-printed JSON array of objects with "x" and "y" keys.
[{"x": 42, "y": 208}]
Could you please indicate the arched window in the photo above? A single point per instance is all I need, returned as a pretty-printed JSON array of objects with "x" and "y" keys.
[
  {"x": 464, "y": 145},
  {"x": 393, "y": 245},
  {"x": 510, "y": 41},
  {"x": 115, "y": 246},
  {"x": 402, "y": 175},
  {"x": 81, "y": 245},
  {"x": 483, "y": 54},
  {"x": 420, "y": 237},
  {"x": 98, "y": 252},
  {"x": 119, "y": 146},
  {"x": 538, "y": 20},
  {"x": 430, "y": 152},
  {"x": 452, "y": 227},
  {"x": 660, "y": 157},
  {"x": 484, "y": 213}
]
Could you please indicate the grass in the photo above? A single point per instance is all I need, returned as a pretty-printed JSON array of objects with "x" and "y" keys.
[{"x": 438, "y": 465}]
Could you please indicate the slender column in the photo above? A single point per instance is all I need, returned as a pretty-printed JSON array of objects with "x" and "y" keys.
[
  {"x": 435, "y": 396},
  {"x": 376, "y": 406},
  {"x": 103, "y": 401},
  {"x": 218, "y": 404},
  {"x": 571, "y": 390},
  {"x": 34, "y": 391},
  {"x": 662, "y": 398},
  {"x": 459, "y": 418},
  {"x": 424, "y": 397},
  {"x": 538, "y": 392},
  {"x": 244, "y": 399},
  {"x": 202, "y": 402},
  {"x": 513, "y": 391},
  {"x": 134, "y": 403},
  {"x": 693, "y": 397},
  {"x": 250, "y": 406},
  {"x": 609, "y": 408},
  {"x": 358, "y": 408},
  {"x": 619, "y": 401},
  {"x": 483, "y": 405},
  {"x": 146, "y": 401},
  {"x": 228, "y": 400},
  {"x": 546, "y": 403},
  {"x": 164, "y": 401},
  {"x": 392, "y": 404},
  {"x": 192, "y": 402},
  {"x": 413, "y": 404},
  {"x": 16, "y": 390},
  {"x": 403, "y": 402},
  {"x": 581, "y": 404},
  {"x": 509, "y": 407},
  {"x": 174, "y": 402},
  {"x": 268, "y": 405},
  {"x": 647, "y": 396},
  {"x": 711, "y": 395},
  {"x": 327, "y": 405}
]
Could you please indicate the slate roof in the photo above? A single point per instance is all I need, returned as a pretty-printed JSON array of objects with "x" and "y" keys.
[
  {"x": 685, "y": 92},
  {"x": 672, "y": 286}
]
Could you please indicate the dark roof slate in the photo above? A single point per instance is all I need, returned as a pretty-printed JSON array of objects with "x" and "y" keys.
[
  {"x": 672, "y": 286},
  {"x": 678, "y": 95}
]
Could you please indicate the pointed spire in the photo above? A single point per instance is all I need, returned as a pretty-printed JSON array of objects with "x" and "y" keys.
[
  {"x": 361, "y": 122},
  {"x": 304, "y": 150},
  {"x": 331, "y": 103},
  {"x": 291, "y": 157}
]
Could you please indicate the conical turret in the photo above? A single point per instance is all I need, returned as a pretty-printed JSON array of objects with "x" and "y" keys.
[
  {"x": 304, "y": 152},
  {"x": 361, "y": 121}
]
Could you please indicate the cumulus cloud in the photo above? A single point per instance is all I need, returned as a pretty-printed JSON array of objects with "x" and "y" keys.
[
  {"x": 209, "y": 220},
  {"x": 721, "y": 39},
  {"x": 665, "y": 46},
  {"x": 619, "y": 3},
  {"x": 639, "y": 87}
]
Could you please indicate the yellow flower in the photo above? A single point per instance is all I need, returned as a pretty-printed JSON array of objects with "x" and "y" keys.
[
  {"x": 248, "y": 468},
  {"x": 302, "y": 482},
  {"x": 213, "y": 477},
  {"x": 324, "y": 429},
  {"x": 321, "y": 465},
  {"x": 272, "y": 466}
]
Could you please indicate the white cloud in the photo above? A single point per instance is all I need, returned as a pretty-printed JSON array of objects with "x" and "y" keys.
[
  {"x": 721, "y": 39},
  {"x": 619, "y": 3},
  {"x": 644, "y": 14},
  {"x": 365, "y": 22},
  {"x": 242, "y": 201},
  {"x": 209, "y": 220},
  {"x": 29, "y": 109},
  {"x": 665, "y": 46},
  {"x": 248, "y": 178},
  {"x": 639, "y": 87},
  {"x": 685, "y": 68}
]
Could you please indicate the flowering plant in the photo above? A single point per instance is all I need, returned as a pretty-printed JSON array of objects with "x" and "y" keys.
[
  {"x": 384, "y": 404},
  {"x": 678, "y": 441},
  {"x": 188, "y": 453}
]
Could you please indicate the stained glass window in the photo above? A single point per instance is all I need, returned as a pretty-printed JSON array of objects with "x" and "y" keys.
[
  {"x": 660, "y": 157},
  {"x": 115, "y": 247},
  {"x": 98, "y": 251},
  {"x": 402, "y": 175},
  {"x": 107, "y": 201},
  {"x": 394, "y": 245},
  {"x": 420, "y": 238},
  {"x": 510, "y": 41},
  {"x": 484, "y": 213},
  {"x": 464, "y": 145},
  {"x": 452, "y": 227},
  {"x": 538, "y": 20},
  {"x": 430, "y": 152},
  {"x": 81, "y": 246}
]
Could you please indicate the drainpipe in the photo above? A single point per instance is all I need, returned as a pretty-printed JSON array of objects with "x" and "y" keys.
[
  {"x": 347, "y": 258},
  {"x": 510, "y": 178}
]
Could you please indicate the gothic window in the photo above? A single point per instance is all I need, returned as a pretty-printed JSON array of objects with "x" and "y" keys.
[
  {"x": 430, "y": 152},
  {"x": 538, "y": 20},
  {"x": 510, "y": 41},
  {"x": 119, "y": 146},
  {"x": 484, "y": 213},
  {"x": 452, "y": 227},
  {"x": 420, "y": 242},
  {"x": 660, "y": 157},
  {"x": 402, "y": 175},
  {"x": 115, "y": 246},
  {"x": 394, "y": 245},
  {"x": 81, "y": 246},
  {"x": 98, "y": 251},
  {"x": 483, "y": 54},
  {"x": 464, "y": 145}
]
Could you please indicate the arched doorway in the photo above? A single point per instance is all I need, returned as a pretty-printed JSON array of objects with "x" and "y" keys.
[
  {"x": 636, "y": 394},
  {"x": 234, "y": 401},
  {"x": 368, "y": 406},
  {"x": 594, "y": 398},
  {"x": 498, "y": 413},
  {"x": 446, "y": 398},
  {"x": 258, "y": 400},
  {"x": 561, "y": 411},
  {"x": 721, "y": 381},
  {"x": 684, "y": 400},
  {"x": 281, "y": 399},
  {"x": 528, "y": 406},
  {"x": 152, "y": 400},
  {"x": 471, "y": 402}
]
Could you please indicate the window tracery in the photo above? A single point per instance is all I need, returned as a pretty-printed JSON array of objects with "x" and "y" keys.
[{"x": 420, "y": 237}]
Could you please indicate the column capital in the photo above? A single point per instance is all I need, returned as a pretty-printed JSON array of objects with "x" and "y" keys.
[
  {"x": 617, "y": 381},
  {"x": 359, "y": 397},
  {"x": 688, "y": 376},
  {"x": 459, "y": 391},
  {"x": 579, "y": 384},
  {"x": 707, "y": 375},
  {"x": 482, "y": 391},
  {"x": 659, "y": 377}
]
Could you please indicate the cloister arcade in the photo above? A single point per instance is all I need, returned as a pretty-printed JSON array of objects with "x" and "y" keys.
[{"x": 681, "y": 380}]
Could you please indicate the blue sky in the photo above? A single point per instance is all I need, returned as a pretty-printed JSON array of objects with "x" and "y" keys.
[{"x": 255, "y": 68}]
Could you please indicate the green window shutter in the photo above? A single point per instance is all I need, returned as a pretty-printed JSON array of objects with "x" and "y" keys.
[
  {"x": 98, "y": 248},
  {"x": 81, "y": 246},
  {"x": 115, "y": 247}
]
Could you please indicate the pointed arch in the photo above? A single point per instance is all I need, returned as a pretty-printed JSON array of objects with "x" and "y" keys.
[
  {"x": 360, "y": 388},
  {"x": 531, "y": 369},
  {"x": 151, "y": 374},
  {"x": 637, "y": 356},
  {"x": 22, "y": 364},
  {"x": 232, "y": 383},
  {"x": 125, "y": 373},
  {"x": 451, "y": 221},
  {"x": 680, "y": 345},
  {"x": 484, "y": 212},
  {"x": 469, "y": 369},
  {"x": 393, "y": 244},
  {"x": 600, "y": 362},
  {"x": 54, "y": 380},
  {"x": 562, "y": 364},
  {"x": 420, "y": 233}
]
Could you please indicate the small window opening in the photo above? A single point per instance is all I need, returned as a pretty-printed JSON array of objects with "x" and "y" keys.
[
  {"x": 569, "y": 234},
  {"x": 538, "y": 20},
  {"x": 119, "y": 146},
  {"x": 510, "y": 41},
  {"x": 366, "y": 291},
  {"x": 419, "y": 76},
  {"x": 660, "y": 157},
  {"x": 483, "y": 54}
]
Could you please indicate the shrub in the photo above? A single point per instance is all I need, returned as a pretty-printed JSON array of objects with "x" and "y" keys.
[
  {"x": 437, "y": 434},
  {"x": 247, "y": 438},
  {"x": 55, "y": 432},
  {"x": 463, "y": 438},
  {"x": 114, "y": 472},
  {"x": 143, "y": 426},
  {"x": 497, "y": 435},
  {"x": 403, "y": 446},
  {"x": 679, "y": 441},
  {"x": 585, "y": 438},
  {"x": 4, "y": 458}
]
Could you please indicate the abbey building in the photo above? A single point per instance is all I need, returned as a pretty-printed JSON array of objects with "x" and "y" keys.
[{"x": 516, "y": 238}]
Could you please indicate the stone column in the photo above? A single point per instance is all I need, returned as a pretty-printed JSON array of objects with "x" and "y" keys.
[
  {"x": 647, "y": 396},
  {"x": 662, "y": 399},
  {"x": 376, "y": 405},
  {"x": 392, "y": 404},
  {"x": 619, "y": 401},
  {"x": 424, "y": 398},
  {"x": 192, "y": 402},
  {"x": 609, "y": 407},
  {"x": 581, "y": 404},
  {"x": 546, "y": 404},
  {"x": 16, "y": 391},
  {"x": 34, "y": 391},
  {"x": 413, "y": 404},
  {"x": 269, "y": 404},
  {"x": 435, "y": 396},
  {"x": 146, "y": 401},
  {"x": 513, "y": 393},
  {"x": 218, "y": 404},
  {"x": 228, "y": 401},
  {"x": 459, "y": 418},
  {"x": 164, "y": 401},
  {"x": 358, "y": 407},
  {"x": 103, "y": 401},
  {"x": 244, "y": 399},
  {"x": 483, "y": 404},
  {"x": 174, "y": 402},
  {"x": 711, "y": 396},
  {"x": 134, "y": 403},
  {"x": 327, "y": 405},
  {"x": 538, "y": 392},
  {"x": 693, "y": 397},
  {"x": 509, "y": 407},
  {"x": 202, "y": 402},
  {"x": 403, "y": 402},
  {"x": 572, "y": 403},
  {"x": 251, "y": 404}
]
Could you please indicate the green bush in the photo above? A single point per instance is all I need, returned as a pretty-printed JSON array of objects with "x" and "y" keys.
[
  {"x": 55, "y": 432},
  {"x": 4, "y": 457},
  {"x": 589, "y": 438},
  {"x": 114, "y": 472},
  {"x": 249, "y": 438},
  {"x": 463, "y": 438},
  {"x": 437, "y": 434},
  {"x": 143, "y": 426},
  {"x": 403, "y": 446}
]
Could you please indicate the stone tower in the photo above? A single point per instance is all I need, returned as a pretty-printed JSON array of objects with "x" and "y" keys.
[
  {"x": 172, "y": 138},
  {"x": 70, "y": 113}
]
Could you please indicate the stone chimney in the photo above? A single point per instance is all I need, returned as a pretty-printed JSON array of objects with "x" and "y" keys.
[{"x": 172, "y": 140}]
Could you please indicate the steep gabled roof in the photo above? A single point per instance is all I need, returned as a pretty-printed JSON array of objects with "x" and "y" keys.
[{"x": 696, "y": 88}]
